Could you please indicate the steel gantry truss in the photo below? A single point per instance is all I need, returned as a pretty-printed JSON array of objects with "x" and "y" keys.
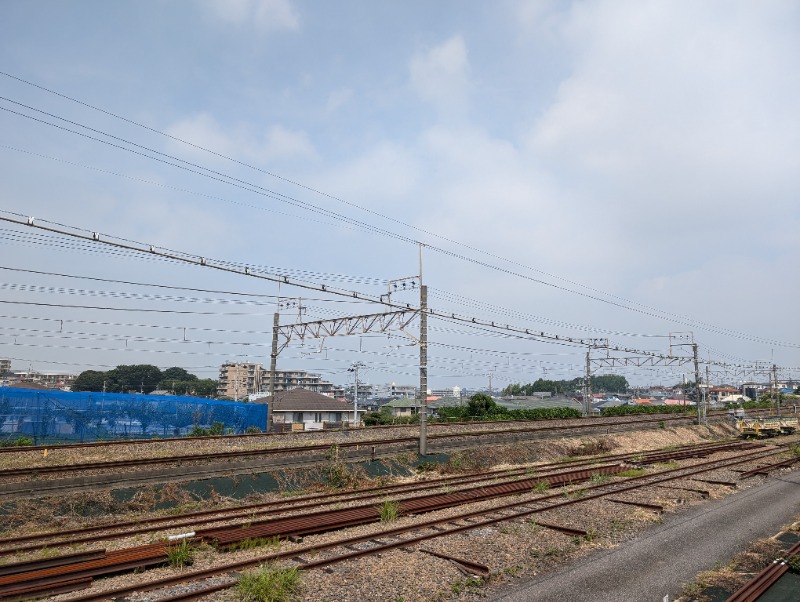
[
  {"x": 639, "y": 361},
  {"x": 346, "y": 326}
]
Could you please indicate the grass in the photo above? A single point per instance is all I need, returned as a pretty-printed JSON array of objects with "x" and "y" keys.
[
  {"x": 180, "y": 555},
  {"x": 256, "y": 542},
  {"x": 464, "y": 584},
  {"x": 540, "y": 487},
  {"x": 269, "y": 584},
  {"x": 598, "y": 478},
  {"x": 633, "y": 472},
  {"x": 389, "y": 511}
]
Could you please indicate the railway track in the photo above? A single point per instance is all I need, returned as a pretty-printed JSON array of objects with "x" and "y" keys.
[
  {"x": 410, "y": 536},
  {"x": 439, "y": 443},
  {"x": 104, "y": 532}
]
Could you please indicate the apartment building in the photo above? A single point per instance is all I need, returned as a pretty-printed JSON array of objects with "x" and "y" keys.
[
  {"x": 5, "y": 366},
  {"x": 288, "y": 380},
  {"x": 237, "y": 381}
]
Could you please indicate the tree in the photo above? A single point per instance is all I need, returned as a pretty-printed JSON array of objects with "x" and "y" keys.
[
  {"x": 609, "y": 383},
  {"x": 177, "y": 374},
  {"x": 138, "y": 377},
  {"x": 481, "y": 405},
  {"x": 89, "y": 380}
]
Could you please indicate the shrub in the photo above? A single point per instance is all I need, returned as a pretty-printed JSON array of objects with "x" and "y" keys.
[
  {"x": 18, "y": 442},
  {"x": 269, "y": 584}
]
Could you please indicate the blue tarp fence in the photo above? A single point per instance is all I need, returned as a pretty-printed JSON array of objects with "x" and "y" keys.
[{"x": 49, "y": 416}]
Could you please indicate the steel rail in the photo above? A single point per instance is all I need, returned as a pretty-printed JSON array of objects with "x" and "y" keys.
[
  {"x": 761, "y": 582},
  {"x": 253, "y": 562},
  {"x": 133, "y": 527},
  {"x": 237, "y": 437},
  {"x": 106, "y": 465}
]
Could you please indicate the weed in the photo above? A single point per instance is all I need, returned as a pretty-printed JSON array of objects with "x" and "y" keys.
[
  {"x": 256, "y": 542},
  {"x": 332, "y": 453},
  {"x": 577, "y": 540},
  {"x": 535, "y": 553},
  {"x": 552, "y": 552},
  {"x": 426, "y": 466},
  {"x": 513, "y": 571},
  {"x": 460, "y": 585},
  {"x": 389, "y": 511},
  {"x": 633, "y": 472},
  {"x": 590, "y": 535},
  {"x": 662, "y": 424},
  {"x": 598, "y": 478},
  {"x": 269, "y": 584},
  {"x": 540, "y": 487},
  {"x": 180, "y": 555}
]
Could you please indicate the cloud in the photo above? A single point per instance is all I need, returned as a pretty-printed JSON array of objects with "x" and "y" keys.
[
  {"x": 441, "y": 75},
  {"x": 241, "y": 142},
  {"x": 262, "y": 15},
  {"x": 337, "y": 99}
]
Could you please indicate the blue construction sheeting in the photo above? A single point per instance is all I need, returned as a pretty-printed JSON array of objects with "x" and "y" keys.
[{"x": 50, "y": 416}]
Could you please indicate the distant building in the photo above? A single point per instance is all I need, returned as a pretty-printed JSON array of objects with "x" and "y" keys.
[
  {"x": 46, "y": 380},
  {"x": 237, "y": 381},
  {"x": 250, "y": 380},
  {"x": 393, "y": 391},
  {"x": 5, "y": 366}
]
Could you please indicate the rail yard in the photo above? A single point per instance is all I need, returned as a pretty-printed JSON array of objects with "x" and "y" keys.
[{"x": 494, "y": 501}]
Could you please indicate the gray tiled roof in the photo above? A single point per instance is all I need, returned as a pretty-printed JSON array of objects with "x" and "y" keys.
[{"x": 303, "y": 400}]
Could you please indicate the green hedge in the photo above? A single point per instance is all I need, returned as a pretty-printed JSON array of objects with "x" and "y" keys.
[{"x": 626, "y": 410}]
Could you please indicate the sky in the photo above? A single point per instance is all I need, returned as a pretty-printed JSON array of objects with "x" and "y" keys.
[{"x": 607, "y": 169}]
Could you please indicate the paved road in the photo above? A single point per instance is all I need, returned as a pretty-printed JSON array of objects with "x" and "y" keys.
[{"x": 666, "y": 556}]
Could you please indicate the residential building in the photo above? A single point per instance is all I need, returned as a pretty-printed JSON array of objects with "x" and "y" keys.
[
  {"x": 237, "y": 381},
  {"x": 287, "y": 380},
  {"x": 309, "y": 410},
  {"x": 5, "y": 366},
  {"x": 48, "y": 380},
  {"x": 393, "y": 391},
  {"x": 251, "y": 380}
]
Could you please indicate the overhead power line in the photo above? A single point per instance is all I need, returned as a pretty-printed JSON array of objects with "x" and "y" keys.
[{"x": 614, "y": 300}]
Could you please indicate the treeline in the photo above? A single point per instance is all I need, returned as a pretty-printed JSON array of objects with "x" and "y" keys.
[
  {"x": 144, "y": 378},
  {"x": 605, "y": 383}
]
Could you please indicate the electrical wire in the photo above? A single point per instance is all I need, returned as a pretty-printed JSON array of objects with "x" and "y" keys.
[{"x": 206, "y": 172}]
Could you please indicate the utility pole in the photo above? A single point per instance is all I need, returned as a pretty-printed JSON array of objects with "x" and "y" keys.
[
  {"x": 423, "y": 362},
  {"x": 697, "y": 400},
  {"x": 776, "y": 392},
  {"x": 708, "y": 387},
  {"x": 354, "y": 368},
  {"x": 273, "y": 365},
  {"x": 588, "y": 388}
]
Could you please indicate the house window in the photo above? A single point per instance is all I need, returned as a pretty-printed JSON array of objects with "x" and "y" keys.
[
  {"x": 318, "y": 417},
  {"x": 337, "y": 417},
  {"x": 298, "y": 416}
]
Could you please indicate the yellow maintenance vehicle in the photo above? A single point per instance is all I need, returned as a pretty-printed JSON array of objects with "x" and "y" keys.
[{"x": 766, "y": 427}]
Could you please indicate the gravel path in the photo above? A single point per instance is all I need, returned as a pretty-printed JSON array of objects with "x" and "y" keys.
[{"x": 663, "y": 558}]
